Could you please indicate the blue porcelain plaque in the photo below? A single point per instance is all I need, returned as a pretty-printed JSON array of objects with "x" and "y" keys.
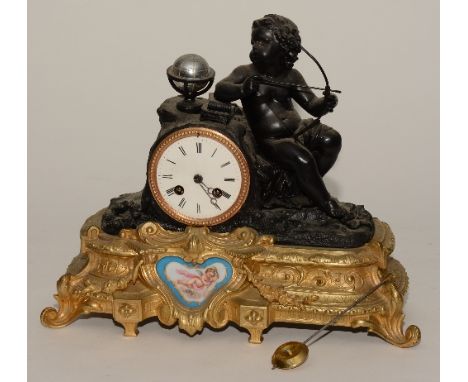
[{"x": 193, "y": 284}]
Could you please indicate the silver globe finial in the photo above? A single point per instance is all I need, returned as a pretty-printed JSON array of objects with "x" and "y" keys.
[{"x": 191, "y": 76}]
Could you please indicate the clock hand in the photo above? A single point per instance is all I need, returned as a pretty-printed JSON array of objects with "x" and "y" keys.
[
  {"x": 215, "y": 203},
  {"x": 217, "y": 192},
  {"x": 208, "y": 190},
  {"x": 204, "y": 187}
]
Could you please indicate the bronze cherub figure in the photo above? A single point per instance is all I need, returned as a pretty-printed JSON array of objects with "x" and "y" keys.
[{"x": 271, "y": 115}]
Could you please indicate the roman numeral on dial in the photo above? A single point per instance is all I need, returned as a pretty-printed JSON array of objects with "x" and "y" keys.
[
  {"x": 182, "y": 150},
  {"x": 170, "y": 191},
  {"x": 199, "y": 147},
  {"x": 182, "y": 203}
]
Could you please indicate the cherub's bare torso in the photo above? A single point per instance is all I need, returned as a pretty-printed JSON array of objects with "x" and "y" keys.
[{"x": 270, "y": 110}]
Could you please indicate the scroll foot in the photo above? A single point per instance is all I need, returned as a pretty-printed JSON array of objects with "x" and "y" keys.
[
  {"x": 395, "y": 335},
  {"x": 389, "y": 325},
  {"x": 71, "y": 305}
]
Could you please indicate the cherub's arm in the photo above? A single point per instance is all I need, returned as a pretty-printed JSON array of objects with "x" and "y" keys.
[
  {"x": 231, "y": 88},
  {"x": 317, "y": 106}
]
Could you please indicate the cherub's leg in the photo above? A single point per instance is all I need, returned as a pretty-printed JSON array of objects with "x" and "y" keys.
[
  {"x": 325, "y": 144},
  {"x": 298, "y": 159}
]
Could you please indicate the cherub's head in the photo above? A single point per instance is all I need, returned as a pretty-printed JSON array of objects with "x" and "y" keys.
[
  {"x": 211, "y": 274},
  {"x": 275, "y": 39}
]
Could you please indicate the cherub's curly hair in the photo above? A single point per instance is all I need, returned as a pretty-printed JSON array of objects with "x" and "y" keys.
[{"x": 286, "y": 33}]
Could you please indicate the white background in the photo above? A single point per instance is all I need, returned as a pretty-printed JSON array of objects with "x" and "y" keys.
[{"x": 97, "y": 74}]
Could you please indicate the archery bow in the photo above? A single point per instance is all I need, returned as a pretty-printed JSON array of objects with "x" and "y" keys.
[
  {"x": 302, "y": 88},
  {"x": 326, "y": 93}
]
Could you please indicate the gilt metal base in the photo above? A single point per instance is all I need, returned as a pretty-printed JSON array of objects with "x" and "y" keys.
[{"x": 197, "y": 277}]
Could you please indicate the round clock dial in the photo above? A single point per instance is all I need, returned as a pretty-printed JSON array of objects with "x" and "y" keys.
[{"x": 198, "y": 176}]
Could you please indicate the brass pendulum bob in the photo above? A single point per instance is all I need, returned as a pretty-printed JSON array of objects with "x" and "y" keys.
[{"x": 293, "y": 354}]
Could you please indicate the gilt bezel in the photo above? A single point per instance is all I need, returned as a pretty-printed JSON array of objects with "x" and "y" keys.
[{"x": 195, "y": 130}]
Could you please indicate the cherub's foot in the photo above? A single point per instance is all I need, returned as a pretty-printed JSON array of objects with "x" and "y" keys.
[{"x": 334, "y": 209}]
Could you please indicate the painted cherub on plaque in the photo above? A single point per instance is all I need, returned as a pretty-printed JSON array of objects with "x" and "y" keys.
[{"x": 193, "y": 285}]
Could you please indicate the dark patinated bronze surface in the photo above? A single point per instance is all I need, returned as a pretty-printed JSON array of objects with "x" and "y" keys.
[
  {"x": 276, "y": 205},
  {"x": 287, "y": 156}
]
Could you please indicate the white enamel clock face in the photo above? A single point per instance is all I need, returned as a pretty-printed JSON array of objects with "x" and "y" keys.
[{"x": 198, "y": 176}]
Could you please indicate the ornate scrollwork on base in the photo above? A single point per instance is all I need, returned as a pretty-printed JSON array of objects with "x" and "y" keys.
[
  {"x": 188, "y": 253},
  {"x": 71, "y": 305},
  {"x": 197, "y": 278},
  {"x": 389, "y": 325},
  {"x": 104, "y": 266}
]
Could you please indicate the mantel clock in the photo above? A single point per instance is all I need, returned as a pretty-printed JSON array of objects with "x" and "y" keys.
[{"x": 234, "y": 222}]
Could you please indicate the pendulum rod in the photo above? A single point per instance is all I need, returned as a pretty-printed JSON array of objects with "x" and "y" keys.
[
  {"x": 293, "y": 354},
  {"x": 335, "y": 319}
]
